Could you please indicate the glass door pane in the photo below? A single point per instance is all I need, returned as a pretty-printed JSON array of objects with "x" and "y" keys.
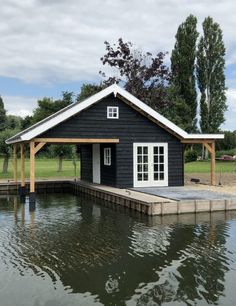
[
  {"x": 158, "y": 163},
  {"x": 142, "y": 163}
]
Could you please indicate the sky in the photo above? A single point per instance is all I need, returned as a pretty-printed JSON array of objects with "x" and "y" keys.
[{"x": 49, "y": 46}]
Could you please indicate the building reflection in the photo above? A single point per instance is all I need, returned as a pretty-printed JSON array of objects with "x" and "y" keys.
[{"x": 128, "y": 257}]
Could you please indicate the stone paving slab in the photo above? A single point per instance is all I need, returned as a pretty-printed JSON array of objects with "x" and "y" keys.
[{"x": 185, "y": 193}]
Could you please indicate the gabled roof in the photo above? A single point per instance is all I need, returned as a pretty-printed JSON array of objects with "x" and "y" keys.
[{"x": 75, "y": 108}]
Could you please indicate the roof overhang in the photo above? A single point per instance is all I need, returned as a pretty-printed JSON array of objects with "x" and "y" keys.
[{"x": 71, "y": 110}]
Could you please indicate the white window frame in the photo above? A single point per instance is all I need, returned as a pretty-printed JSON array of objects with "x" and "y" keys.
[
  {"x": 107, "y": 156},
  {"x": 112, "y": 112}
]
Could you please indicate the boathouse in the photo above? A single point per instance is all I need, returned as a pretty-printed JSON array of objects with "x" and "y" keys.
[{"x": 124, "y": 143}]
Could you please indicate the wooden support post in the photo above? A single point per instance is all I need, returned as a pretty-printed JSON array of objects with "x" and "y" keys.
[
  {"x": 15, "y": 163},
  {"x": 32, "y": 167},
  {"x": 22, "y": 153},
  {"x": 211, "y": 148},
  {"x": 213, "y": 163}
]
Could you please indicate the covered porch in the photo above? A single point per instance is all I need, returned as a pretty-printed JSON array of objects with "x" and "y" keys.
[{"x": 35, "y": 145}]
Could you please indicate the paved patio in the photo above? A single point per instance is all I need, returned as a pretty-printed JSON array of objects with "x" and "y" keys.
[{"x": 185, "y": 193}]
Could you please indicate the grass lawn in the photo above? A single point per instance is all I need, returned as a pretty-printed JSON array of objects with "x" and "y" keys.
[
  {"x": 45, "y": 168},
  {"x": 204, "y": 167}
]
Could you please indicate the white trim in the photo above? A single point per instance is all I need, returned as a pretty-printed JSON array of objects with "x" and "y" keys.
[
  {"x": 204, "y": 136},
  {"x": 111, "y": 110},
  {"x": 150, "y": 182},
  {"x": 96, "y": 164},
  {"x": 107, "y": 156},
  {"x": 71, "y": 110}
]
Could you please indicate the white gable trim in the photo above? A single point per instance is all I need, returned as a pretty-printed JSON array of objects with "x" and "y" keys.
[{"x": 72, "y": 110}]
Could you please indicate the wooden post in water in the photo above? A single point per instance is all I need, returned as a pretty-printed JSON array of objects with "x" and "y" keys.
[
  {"x": 22, "y": 152},
  {"x": 15, "y": 163},
  {"x": 32, "y": 168}
]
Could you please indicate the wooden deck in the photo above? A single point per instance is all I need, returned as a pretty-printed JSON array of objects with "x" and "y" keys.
[{"x": 135, "y": 200}]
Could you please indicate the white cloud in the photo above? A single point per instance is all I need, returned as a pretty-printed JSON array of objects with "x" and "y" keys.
[
  {"x": 47, "y": 41},
  {"x": 19, "y": 105}
]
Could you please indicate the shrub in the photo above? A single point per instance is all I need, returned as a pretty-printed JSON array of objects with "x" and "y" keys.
[{"x": 190, "y": 156}]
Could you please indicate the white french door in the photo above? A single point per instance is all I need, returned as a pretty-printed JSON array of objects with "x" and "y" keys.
[{"x": 150, "y": 164}]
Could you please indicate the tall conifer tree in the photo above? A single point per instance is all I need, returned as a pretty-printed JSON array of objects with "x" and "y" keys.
[
  {"x": 183, "y": 69},
  {"x": 3, "y": 117},
  {"x": 211, "y": 77}
]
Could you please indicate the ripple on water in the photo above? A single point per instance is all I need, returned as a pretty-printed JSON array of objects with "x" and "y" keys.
[{"x": 71, "y": 251}]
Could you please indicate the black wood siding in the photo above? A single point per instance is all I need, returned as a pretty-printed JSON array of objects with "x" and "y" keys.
[
  {"x": 108, "y": 173},
  {"x": 86, "y": 163},
  {"x": 129, "y": 128}
]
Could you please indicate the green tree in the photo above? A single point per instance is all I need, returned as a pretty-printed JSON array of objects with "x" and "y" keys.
[
  {"x": 6, "y": 150},
  {"x": 87, "y": 90},
  {"x": 61, "y": 152},
  {"x": 3, "y": 117},
  {"x": 13, "y": 122},
  {"x": 48, "y": 106},
  {"x": 183, "y": 72},
  {"x": 211, "y": 77}
]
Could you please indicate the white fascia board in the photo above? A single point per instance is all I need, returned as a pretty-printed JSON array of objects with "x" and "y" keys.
[
  {"x": 147, "y": 109},
  {"x": 62, "y": 116},
  {"x": 205, "y": 136}
]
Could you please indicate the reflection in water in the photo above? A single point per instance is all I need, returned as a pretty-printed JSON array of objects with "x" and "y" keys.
[{"x": 75, "y": 251}]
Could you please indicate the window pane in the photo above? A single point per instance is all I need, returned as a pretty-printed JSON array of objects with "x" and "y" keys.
[
  {"x": 161, "y": 176},
  {"x": 161, "y": 159},
  {"x": 145, "y": 176},
  {"x": 145, "y": 167},
  {"x": 156, "y": 176},
  {"x": 155, "y": 159},
  {"x": 139, "y": 176},
  {"x": 139, "y": 168},
  {"x": 145, "y": 150},
  {"x": 161, "y": 167},
  {"x": 155, "y": 150},
  {"x": 139, "y": 150},
  {"x": 156, "y": 167},
  {"x": 161, "y": 150},
  {"x": 140, "y": 159},
  {"x": 145, "y": 159}
]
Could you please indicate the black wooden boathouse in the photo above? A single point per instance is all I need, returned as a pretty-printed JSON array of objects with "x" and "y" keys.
[{"x": 124, "y": 143}]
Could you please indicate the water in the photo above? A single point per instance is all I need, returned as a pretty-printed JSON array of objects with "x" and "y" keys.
[{"x": 74, "y": 251}]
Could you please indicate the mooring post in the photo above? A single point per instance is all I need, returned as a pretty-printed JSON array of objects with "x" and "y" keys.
[
  {"x": 22, "y": 189},
  {"x": 15, "y": 163},
  {"x": 32, "y": 173}
]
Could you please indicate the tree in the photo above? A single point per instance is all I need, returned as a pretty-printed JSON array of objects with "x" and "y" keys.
[
  {"x": 87, "y": 90},
  {"x": 3, "y": 117},
  {"x": 13, "y": 122},
  {"x": 61, "y": 151},
  {"x": 142, "y": 74},
  {"x": 183, "y": 71},
  {"x": 211, "y": 77},
  {"x": 48, "y": 106},
  {"x": 6, "y": 150}
]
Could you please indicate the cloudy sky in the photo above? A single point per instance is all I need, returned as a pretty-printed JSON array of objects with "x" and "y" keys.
[{"x": 48, "y": 46}]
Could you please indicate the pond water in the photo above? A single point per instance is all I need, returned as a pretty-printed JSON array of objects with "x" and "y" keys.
[{"x": 75, "y": 250}]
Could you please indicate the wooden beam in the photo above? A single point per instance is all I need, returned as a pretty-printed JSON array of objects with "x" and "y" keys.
[
  {"x": 39, "y": 146},
  {"x": 197, "y": 141},
  {"x": 213, "y": 163},
  {"x": 22, "y": 153},
  {"x": 209, "y": 147},
  {"x": 15, "y": 163},
  {"x": 76, "y": 140},
  {"x": 32, "y": 167}
]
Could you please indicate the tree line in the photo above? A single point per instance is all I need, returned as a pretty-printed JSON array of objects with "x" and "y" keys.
[{"x": 197, "y": 68}]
